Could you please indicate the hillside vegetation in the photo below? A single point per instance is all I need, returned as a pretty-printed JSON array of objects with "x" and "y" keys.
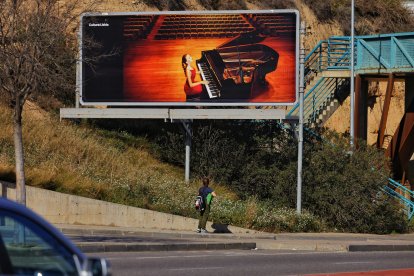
[
  {"x": 118, "y": 167},
  {"x": 382, "y": 16},
  {"x": 252, "y": 164},
  {"x": 113, "y": 165}
]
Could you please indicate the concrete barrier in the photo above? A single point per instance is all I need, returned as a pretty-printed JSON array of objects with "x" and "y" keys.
[{"x": 59, "y": 208}]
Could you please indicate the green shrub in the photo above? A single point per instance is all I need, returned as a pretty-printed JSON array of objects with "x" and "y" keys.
[
  {"x": 286, "y": 220},
  {"x": 250, "y": 213},
  {"x": 344, "y": 189},
  {"x": 258, "y": 159}
]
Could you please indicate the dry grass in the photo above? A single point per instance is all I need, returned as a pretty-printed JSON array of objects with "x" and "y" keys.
[
  {"x": 116, "y": 5},
  {"x": 318, "y": 30},
  {"x": 84, "y": 160},
  {"x": 117, "y": 167}
]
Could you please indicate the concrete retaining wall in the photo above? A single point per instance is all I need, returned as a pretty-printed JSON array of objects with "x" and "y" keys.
[{"x": 59, "y": 208}]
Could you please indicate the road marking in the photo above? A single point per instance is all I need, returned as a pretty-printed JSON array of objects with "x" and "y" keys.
[
  {"x": 342, "y": 263},
  {"x": 158, "y": 257},
  {"x": 214, "y": 254},
  {"x": 197, "y": 268},
  {"x": 395, "y": 272}
]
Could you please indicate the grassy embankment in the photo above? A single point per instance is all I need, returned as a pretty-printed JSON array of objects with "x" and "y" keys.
[{"x": 117, "y": 167}]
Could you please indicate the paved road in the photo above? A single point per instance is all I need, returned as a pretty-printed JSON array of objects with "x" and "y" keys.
[{"x": 254, "y": 262}]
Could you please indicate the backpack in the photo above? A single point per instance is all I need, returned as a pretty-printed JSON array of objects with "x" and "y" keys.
[{"x": 199, "y": 203}]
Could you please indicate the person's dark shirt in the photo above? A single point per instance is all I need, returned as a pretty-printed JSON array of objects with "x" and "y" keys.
[{"x": 204, "y": 191}]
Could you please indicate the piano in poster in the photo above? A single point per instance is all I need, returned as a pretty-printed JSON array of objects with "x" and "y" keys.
[{"x": 237, "y": 69}]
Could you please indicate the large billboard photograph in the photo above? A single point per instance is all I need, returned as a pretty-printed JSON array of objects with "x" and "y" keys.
[{"x": 190, "y": 58}]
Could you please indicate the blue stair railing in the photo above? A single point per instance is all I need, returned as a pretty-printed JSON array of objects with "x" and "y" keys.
[
  {"x": 317, "y": 98},
  {"x": 321, "y": 97},
  {"x": 339, "y": 52},
  {"x": 316, "y": 61},
  {"x": 331, "y": 54},
  {"x": 401, "y": 193},
  {"x": 385, "y": 53},
  {"x": 295, "y": 109}
]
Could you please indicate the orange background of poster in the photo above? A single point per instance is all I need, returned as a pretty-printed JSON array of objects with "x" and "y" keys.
[{"x": 153, "y": 71}]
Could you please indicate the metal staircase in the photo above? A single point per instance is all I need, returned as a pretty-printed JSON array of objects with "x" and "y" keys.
[
  {"x": 326, "y": 80},
  {"x": 327, "y": 75},
  {"x": 327, "y": 69}
]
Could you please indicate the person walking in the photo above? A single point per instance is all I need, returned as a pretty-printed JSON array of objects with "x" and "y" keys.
[{"x": 207, "y": 194}]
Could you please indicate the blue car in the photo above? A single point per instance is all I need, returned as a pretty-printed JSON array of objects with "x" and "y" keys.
[{"x": 29, "y": 245}]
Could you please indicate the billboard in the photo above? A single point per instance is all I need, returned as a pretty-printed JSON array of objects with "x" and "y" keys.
[{"x": 221, "y": 58}]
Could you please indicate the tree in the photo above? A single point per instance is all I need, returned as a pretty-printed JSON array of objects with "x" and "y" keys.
[{"x": 37, "y": 58}]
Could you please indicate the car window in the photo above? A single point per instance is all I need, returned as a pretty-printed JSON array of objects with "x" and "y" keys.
[{"x": 31, "y": 250}]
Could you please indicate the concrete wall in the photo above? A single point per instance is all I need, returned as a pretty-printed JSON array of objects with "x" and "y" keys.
[{"x": 59, "y": 208}]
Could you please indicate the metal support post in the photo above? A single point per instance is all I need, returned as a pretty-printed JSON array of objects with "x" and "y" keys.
[
  {"x": 188, "y": 136},
  {"x": 385, "y": 109},
  {"x": 79, "y": 67},
  {"x": 77, "y": 89},
  {"x": 352, "y": 92},
  {"x": 301, "y": 92}
]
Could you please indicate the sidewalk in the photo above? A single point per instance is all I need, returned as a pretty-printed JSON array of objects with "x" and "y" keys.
[{"x": 111, "y": 239}]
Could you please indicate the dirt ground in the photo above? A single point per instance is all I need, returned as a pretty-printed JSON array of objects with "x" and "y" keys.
[{"x": 340, "y": 120}]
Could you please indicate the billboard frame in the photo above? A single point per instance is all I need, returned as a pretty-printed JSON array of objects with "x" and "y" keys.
[
  {"x": 173, "y": 113},
  {"x": 79, "y": 70}
]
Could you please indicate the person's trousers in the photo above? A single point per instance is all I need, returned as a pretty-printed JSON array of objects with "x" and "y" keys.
[{"x": 204, "y": 217}]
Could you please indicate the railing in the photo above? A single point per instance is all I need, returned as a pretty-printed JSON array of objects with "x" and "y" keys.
[
  {"x": 319, "y": 95},
  {"x": 401, "y": 193},
  {"x": 318, "y": 99},
  {"x": 375, "y": 53},
  {"x": 384, "y": 51},
  {"x": 331, "y": 54},
  {"x": 339, "y": 52},
  {"x": 315, "y": 61}
]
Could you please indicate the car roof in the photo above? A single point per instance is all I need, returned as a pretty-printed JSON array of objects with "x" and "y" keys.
[{"x": 21, "y": 210}]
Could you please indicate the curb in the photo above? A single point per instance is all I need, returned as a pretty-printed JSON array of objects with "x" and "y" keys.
[
  {"x": 379, "y": 247},
  {"x": 71, "y": 231},
  {"x": 139, "y": 247},
  {"x": 167, "y": 240}
]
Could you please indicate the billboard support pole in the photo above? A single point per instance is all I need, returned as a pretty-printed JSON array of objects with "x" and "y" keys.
[
  {"x": 77, "y": 99},
  {"x": 78, "y": 67},
  {"x": 188, "y": 136},
  {"x": 300, "y": 138}
]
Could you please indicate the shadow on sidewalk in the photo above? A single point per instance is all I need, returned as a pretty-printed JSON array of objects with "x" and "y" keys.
[{"x": 220, "y": 228}]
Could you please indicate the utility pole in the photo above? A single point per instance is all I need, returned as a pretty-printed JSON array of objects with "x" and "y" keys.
[
  {"x": 352, "y": 92},
  {"x": 300, "y": 138}
]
